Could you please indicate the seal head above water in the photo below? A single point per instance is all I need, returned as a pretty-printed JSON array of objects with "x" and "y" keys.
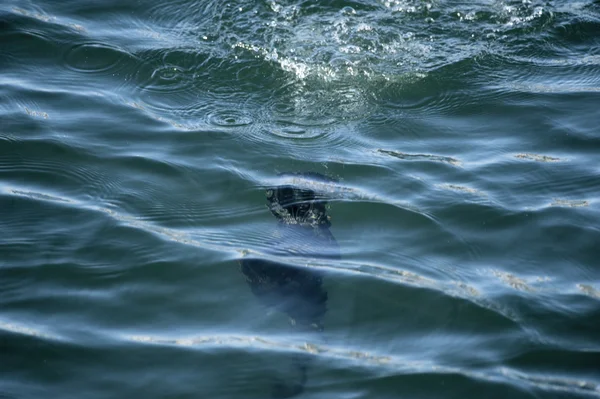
[
  {"x": 279, "y": 277},
  {"x": 298, "y": 206},
  {"x": 302, "y": 232}
]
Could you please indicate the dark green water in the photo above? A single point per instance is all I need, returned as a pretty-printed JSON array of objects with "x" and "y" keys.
[{"x": 136, "y": 142}]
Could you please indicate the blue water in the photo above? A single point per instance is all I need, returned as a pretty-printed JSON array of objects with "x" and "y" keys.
[{"x": 456, "y": 145}]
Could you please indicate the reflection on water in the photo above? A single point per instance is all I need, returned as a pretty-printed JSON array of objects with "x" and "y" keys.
[{"x": 137, "y": 141}]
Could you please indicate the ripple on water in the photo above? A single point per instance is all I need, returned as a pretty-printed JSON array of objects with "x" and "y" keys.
[
  {"x": 168, "y": 78},
  {"x": 307, "y": 78},
  {"x": 294, "y": 132},
  {"x": 319, "y": 104},
  {"x": 229, "y": 118},
  {"x": 95, "y": 58},
  {"x": 64, "y": 168},
  {"x": 177, "y": 74},
  {"x": 163, "y": 78}
]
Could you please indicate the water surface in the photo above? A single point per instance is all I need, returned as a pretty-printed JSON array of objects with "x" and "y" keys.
[{"x": 461, "y": 138}]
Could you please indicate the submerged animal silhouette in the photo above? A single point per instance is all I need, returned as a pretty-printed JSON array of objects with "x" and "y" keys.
[{"x": 302, "y": 232}]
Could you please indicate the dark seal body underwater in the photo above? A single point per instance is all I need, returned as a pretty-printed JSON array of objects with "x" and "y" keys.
[{"x": 302, "y": 233}]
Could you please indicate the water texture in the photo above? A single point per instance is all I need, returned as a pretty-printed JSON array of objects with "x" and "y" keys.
[{"x": 461, "y": 145}]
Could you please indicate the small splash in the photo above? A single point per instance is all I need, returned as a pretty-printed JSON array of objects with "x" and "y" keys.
[
  {"x": 538, "y": 157},
  {"x": 300, "y": 69},
  {"x": 229, "y": 118},
  {"x": 315, "y": 107}
]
